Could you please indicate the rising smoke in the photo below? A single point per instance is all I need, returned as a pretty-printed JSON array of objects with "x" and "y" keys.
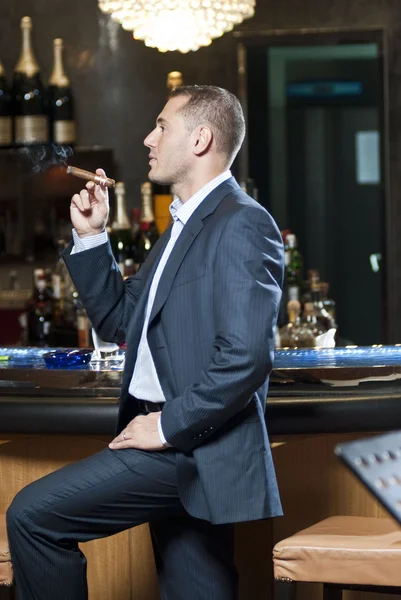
[{"x": 41, "y": 158}]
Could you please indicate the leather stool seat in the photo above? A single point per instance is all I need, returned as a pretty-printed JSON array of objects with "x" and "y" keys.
[
  {"x": 6, "y": 569},
  {"x": 361, "y": 551}
]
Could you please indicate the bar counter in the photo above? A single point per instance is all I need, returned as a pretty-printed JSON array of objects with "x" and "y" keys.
[
  {"x": 317, "y": 398},
  {"x": 312, "y": 391}
]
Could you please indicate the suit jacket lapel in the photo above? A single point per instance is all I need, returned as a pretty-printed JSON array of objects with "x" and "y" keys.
[
  {"x": 181, "y": 247},
  {"x": 186, "y": 238}
]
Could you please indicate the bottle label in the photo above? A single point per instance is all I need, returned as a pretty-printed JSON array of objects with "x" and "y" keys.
[
  {"x": 293, "y": 292},
  {"x": 65, "y": 132},
  {"x": 56, "y": 283},
  {"x": 6, "y": 131},
  {"x": 31, "y": 129}
]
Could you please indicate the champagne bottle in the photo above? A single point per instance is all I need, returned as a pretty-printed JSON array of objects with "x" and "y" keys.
[
  {"x": 148, "y": 234},
  {"x": 30, "y": 106},
  {"x": 6, "y": 124},
  {"x": 61, "y": 100},
  {"x": 121, "y": 236}
]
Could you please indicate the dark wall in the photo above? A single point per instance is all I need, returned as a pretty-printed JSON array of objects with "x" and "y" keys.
[{"x": 120, "y": 84}]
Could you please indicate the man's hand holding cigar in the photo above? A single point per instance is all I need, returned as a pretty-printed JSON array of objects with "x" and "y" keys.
[{"x": 89, "y": 209}]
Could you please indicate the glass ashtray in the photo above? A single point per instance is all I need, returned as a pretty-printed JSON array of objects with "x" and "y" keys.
[{"x": 66, "y": 359}]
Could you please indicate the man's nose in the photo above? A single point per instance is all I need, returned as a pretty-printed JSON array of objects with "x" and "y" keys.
[{"x": 149, "y": 141}]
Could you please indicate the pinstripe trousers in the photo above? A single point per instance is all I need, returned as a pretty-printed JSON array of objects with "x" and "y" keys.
[{"x": 104, "y": 494}]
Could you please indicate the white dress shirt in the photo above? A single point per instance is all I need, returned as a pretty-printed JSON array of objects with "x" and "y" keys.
[{"x": 145, "y": 384}]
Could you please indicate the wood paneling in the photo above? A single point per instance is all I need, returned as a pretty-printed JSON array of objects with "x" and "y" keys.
[{"x": 313, "y": 484}]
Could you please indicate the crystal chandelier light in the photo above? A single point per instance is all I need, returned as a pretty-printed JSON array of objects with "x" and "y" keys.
[{"x": 181, "y": 25}]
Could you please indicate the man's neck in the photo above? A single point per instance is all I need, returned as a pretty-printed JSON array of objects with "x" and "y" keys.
[{"x": 186, "y": 189}]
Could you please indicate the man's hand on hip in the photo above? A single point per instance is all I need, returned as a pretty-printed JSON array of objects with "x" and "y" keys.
[{"x": 141, "y": 433}]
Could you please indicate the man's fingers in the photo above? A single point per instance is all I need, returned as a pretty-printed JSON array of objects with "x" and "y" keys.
[
  {"x": 122, "y": 441},
  {"x": 76, "y": 200},
  {"x": 114, "y": 445},
  {"x": 85, "y": 199}
]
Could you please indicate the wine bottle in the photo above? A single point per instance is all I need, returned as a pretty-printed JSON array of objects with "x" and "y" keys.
[
  {"x": 121, "y": 236},
  {"x": 30, "y": 106},
  {"x": 135, "y": 227},
  {"x": 6, "y": 123},
  {"x": 61, "y": 100},
  {"x": 40, "y": 312},
  {"x": 148, "y": 234}
]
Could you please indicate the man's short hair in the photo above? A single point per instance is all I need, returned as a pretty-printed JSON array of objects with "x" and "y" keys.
[{"x": 218, "y": 108}]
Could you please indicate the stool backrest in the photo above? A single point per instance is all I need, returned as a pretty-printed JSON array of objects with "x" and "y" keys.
[{"x": 376, "y": 462}]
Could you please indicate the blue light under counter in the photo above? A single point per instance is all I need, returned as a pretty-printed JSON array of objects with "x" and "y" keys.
[{"x": 301, "y": 358}]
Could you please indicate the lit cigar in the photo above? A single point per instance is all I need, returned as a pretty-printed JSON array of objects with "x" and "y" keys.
[{"x": 98, "y": 179}]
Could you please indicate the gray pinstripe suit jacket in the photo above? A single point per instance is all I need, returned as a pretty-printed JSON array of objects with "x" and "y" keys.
[{"x": 211, "y": 338}]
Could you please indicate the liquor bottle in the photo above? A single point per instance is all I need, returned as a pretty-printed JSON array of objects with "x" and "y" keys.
[
  {"x": 61, "y": 100},
  {"x": 59, "y": 277},
  {"x": 248, "y": 186},
  {"x": 39, "y": 312},
  {"x": 162, "y": 198},
  {"x": 83, "y": 328},
  {"x": 293, "y": 267},
  {"x": 148, "y": 234},
  {"x": 311, "y": 321},
  {"x": 295, "y": 334},
  {"x": 324, "y": 319},
  {"x": 30, "y": 105},
  {"x": 121, "y": 236},
  {"x": 129, "y": 268},
  {"x": 174, "y": 80},
  {"x": 328, "y": 303},
  {"x": 6, "y": 111}
]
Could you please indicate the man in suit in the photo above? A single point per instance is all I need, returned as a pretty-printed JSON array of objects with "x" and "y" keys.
[{"x": 191, "y": 455}]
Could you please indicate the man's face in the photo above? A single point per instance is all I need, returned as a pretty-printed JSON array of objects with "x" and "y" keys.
[{"x": 169, "y": 144}]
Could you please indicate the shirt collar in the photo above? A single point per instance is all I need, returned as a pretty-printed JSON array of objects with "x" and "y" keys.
[{"x": 182, "y": 211}]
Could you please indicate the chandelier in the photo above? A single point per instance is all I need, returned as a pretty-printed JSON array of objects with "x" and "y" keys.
[{"x": 181, "y": 25}]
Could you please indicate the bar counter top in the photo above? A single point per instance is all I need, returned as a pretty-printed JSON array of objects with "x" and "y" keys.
[{"x": 351, "y": 389}]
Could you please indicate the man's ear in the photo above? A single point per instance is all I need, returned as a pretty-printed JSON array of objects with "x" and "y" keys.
[{"x": 202, "y": 139}]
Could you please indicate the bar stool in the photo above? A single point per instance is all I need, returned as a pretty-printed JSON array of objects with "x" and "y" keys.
[
  {"x": 6, "y": 568},
  {"x": 343, "y": 553}
]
